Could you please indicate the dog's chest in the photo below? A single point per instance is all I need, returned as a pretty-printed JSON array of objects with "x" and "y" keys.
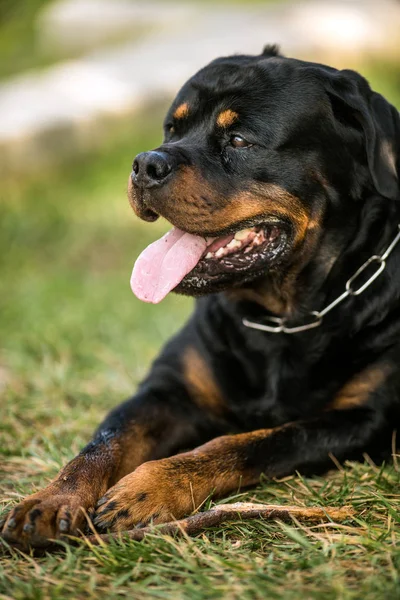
[{"x": 265, "y": 390}]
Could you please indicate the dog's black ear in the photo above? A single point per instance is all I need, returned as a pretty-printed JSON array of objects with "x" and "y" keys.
[
  {"x": 356, "y": 105},
  {"x": 271, "y": 50}
]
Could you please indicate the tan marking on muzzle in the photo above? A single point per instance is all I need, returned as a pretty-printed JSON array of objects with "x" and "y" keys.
[
  {"x": 192, "y": 204},
  {"x": 265, "y": 201}
]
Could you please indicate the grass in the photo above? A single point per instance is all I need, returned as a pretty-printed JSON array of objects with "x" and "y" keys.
[
  {"x": 75, "y": 342},
  {"x": 243, "y": 560}
]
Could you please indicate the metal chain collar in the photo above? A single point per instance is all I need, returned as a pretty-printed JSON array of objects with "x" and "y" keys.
[{"x": 317, "y": 316}]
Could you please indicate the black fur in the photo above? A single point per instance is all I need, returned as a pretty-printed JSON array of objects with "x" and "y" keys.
[{"x": 304, "y": 118}]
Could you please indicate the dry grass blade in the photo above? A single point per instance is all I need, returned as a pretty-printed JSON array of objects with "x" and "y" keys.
[{"x": 230, "y": 512}]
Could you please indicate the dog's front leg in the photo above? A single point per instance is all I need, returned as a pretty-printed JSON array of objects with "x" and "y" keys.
[
  {"x": 171, "y": 488},
  {"x": 162, "y": 419}
]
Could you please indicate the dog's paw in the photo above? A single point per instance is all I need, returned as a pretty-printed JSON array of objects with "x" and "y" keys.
[
  {"x": 44, "y": 517},
  {"x": 156, "y": 492}
]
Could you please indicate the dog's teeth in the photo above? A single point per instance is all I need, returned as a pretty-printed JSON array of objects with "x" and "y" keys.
[
  {"x": 219, "y": 253},
  {"x": 233, "y": 244},
  {"x": 242, "y": 235},
  {"x": 209, "y": 255}
]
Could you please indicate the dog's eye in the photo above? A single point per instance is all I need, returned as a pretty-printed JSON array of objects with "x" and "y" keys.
[{"x": 237, "y": 141}]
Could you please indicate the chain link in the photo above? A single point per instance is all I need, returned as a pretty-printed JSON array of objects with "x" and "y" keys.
[{"x": 316, "y": 317}]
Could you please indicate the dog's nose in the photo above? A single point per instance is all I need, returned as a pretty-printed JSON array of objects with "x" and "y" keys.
[{"x": 151, "y": 168}]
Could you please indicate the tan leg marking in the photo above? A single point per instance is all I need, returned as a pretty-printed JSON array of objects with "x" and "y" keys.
[
  {"x": 173, "y": 487},
  {"x": 60, "y": 508},
  {"x": 136, "y": 448}
]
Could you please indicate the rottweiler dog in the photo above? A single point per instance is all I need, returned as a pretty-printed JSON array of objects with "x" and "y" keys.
[{"x": 280, "y": 178}]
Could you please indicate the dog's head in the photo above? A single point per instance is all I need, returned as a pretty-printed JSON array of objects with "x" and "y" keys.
[{"x": 258, "y": 150}]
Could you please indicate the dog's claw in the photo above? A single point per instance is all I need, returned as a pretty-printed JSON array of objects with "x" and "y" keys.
[{"x": 101, "y": 525}]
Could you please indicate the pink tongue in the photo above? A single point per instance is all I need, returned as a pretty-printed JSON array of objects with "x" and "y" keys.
[{"x": 163, "y": 264}]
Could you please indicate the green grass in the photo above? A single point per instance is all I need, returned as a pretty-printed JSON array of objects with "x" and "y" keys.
[{"x": 75, "y": 342}]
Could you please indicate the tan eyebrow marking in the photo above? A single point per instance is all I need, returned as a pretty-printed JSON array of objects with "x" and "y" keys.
[
  {"x": 182, "y": 111},
  {"x": 227, "y": 117}
]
